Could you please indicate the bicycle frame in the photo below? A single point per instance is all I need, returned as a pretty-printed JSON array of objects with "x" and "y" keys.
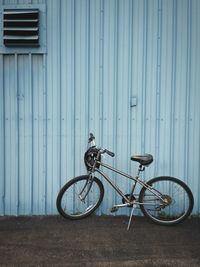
[{"x": 135, "y": 179}]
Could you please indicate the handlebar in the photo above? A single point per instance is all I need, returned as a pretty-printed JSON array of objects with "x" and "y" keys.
[
  {"x": 102, "y": 151},
  {"x": 109, "y": 153}
]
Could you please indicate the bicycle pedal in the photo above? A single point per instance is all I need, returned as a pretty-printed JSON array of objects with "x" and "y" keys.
[{"x": 114, "y": 209}]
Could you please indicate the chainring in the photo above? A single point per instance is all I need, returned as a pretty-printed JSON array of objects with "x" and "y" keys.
[{"x": 128, "y": 196}]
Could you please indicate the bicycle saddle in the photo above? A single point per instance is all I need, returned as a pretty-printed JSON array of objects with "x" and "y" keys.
[{"x": 144, "y": 160}]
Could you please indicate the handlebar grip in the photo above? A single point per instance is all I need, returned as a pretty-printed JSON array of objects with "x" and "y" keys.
[{"x": 110, "y": 153}]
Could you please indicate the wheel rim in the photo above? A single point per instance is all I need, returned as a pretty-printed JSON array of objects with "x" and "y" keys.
[
  {"x": 175, "y": 204},
  {"x": 78, "y": 201}
]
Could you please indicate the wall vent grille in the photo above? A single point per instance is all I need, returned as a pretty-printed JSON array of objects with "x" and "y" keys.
[{"x": 21, "y": 27}]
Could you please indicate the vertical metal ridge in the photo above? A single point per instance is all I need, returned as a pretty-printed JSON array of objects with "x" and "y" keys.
[
  {"x": 4, "y": 139},
  {"x": 115, "y": 76},
  {"x": 57, "y": 182},
  {"x": 101, "y": 70},
  {"x": 48, "y": 76},
  {"x": 115, "y": 131},
  {"x": 45, "y": 132},
  {"x": 88, "y": 74},
  {"x": 87, "y": 53},
  {"x": 144, "y": 73},
  {"x": 101, "y": 67},
  {"x": 74, "y": 88},
  {"x": 158, "y": 80},
  {"x": 130, "y": 81},
  {"x": 198, "y": 5},
  {"x": 60, "y": 86},
  {"x": 188, "y": 82},
  {"x": 2, "y": 135},
  {"x": 173, "y": 84},
  {"x": 115, "y": 91},
  {"x": 74, "y": 84},
  {"x": 32, "y": 131},
  {"x": 18, "y": 142}
]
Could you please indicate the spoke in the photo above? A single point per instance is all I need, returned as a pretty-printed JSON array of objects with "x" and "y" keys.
[{"x": 177, "y": 188}]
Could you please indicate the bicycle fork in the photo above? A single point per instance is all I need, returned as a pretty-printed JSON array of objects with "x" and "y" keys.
[{"x": 88, "y": 184}]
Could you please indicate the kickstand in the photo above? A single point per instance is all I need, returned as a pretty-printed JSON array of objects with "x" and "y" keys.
[{"x": 130, "y": 218}]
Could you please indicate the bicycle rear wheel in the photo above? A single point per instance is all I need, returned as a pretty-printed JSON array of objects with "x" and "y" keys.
[
  {"x": 80, "y": 197},
  {"x": 172, "y": 204}
]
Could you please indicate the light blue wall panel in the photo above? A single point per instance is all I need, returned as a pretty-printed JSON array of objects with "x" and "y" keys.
[
  {"x": 39, "y": 175},
  {"x": 102, "y": 56},
  {"x": 53, "y": 109},
  {"x": 11, "y": 142},
  {"x": 2, "y": 155},
  {"x": 67, "y": 86}
]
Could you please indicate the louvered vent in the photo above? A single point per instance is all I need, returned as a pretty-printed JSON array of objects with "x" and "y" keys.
[{"x": 21, "y": 27}]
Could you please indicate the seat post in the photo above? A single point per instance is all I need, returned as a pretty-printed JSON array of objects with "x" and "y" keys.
[{"x": 140, "y": 169}]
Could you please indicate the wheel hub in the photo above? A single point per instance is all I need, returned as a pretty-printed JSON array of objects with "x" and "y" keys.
[{"x": 167, "y": 200}]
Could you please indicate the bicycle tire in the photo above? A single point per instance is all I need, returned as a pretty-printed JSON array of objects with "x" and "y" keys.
[
  {"x": 168, "y": 218},
  {"x": 75, "y": 202}
]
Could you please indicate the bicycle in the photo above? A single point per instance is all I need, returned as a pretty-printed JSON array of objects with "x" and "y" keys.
[{"x": 164, "y": 200}]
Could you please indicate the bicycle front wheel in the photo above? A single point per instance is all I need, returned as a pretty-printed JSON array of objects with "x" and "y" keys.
[
  {"x": 167, "y": 200},
  {"x": 80, "y": 197}
]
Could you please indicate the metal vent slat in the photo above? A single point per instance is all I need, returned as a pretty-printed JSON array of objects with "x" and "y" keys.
[
  {"x": 20, "y": 12},
  {"x": 20, "y": 20},
  {"x": 20, "y": 38},
  {"x": 21, "y": 27}
]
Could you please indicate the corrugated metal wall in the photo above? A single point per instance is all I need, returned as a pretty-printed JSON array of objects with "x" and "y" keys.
[{"x": 102, "y": 56}]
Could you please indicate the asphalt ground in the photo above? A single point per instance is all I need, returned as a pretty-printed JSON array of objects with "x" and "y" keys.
[{"x": 97, "y": 241}]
